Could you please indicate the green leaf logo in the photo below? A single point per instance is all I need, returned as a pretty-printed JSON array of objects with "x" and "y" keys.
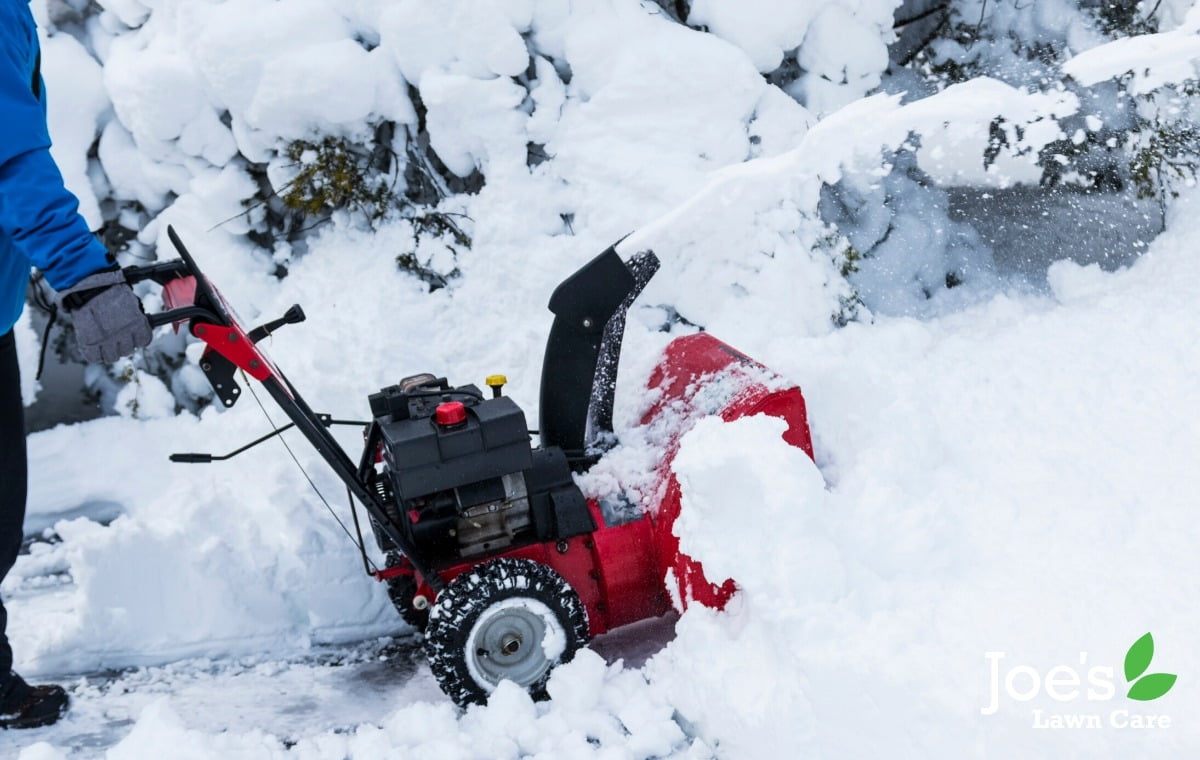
[
  {"x": 1152, "y": 686},
  {"x": 1137, "y": 661}
]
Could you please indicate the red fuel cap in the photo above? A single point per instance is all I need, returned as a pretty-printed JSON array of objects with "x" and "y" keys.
[{"x": 450, "y": 413}]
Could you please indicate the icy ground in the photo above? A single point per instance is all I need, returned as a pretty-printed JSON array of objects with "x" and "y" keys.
[
  {"x": 283, "y": 697},
  {"x": 331, "y": 689}
]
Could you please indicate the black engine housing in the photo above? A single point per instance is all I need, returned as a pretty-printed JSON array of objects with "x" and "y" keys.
[{"x": 473, "y": 488}]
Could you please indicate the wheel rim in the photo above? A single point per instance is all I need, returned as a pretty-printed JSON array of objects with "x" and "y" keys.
[{"x": 518, "y": 639}]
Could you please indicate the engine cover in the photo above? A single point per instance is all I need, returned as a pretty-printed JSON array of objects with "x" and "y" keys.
[
  {"x": 425, "y": 457},
  {"x": 465, "y": 480}
]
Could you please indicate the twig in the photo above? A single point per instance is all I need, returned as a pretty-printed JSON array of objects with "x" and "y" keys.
[
  {"x": 922, "y": 15},
  {"x": 925, "y": 42},
  {"x": 426, "y": 167},
  {"x": 978, "y": 25},
  {"x": 263, "y": 202}
]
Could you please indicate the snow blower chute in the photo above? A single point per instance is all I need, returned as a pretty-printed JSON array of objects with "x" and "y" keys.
[{"x": 492, "y": 549}]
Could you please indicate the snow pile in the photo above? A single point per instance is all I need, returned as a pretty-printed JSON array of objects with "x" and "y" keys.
[
  {"x": 195, "y": 562},
  {"x": 986, "y": 473},
  {"x": 840, "y": 46},
  {"x": 1004, "y": 478},
  {"x": 242, "y": 78},
  {"x": 1004, "y": 475},
  {"x": 785, "y": 566},
  {"x": 1153, "y": 60},
  {"x": 595, "y": 707},
  {"x": 720, "y": 464},
  {"x": 74, "y": 119},
  {"x": 777, "y": 198},
  {"x": 28, "y": 348}
]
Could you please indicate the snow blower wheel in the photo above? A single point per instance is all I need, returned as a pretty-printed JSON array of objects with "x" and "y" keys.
[{"x": 508, "y": 619}]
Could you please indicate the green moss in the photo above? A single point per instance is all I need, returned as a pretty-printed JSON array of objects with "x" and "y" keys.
[
  {"x": 333, "y": 175},
  {"x": 850, "y": 259}
]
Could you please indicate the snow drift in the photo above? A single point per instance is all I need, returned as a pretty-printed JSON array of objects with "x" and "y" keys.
[{"x": 1009, "y": 473}]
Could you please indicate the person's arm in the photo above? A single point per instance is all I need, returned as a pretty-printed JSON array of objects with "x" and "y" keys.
[
  {"x": 41, "y": 217},
  {"x": 37, "y": 211}
]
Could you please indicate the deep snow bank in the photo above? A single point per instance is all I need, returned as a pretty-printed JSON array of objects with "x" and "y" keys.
[{"x": 1010, "y": 478}]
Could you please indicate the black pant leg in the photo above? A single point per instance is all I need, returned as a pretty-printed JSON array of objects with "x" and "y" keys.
[{"x": 13, "y": 478}]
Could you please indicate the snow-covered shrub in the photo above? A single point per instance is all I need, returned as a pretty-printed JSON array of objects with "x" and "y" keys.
[
  {"x": 825, "y": 55},
  {"x": 1027, "y": 45},
  {"x": 1131, "y": 138},
  {"x": 481, "y": 128},
  {"x": 1165, "y": 142},
  {"x": 332, "y": 175},
  {"x": 846, "y": 258},
  {"x": 1124, "y": 18},
  {"x": 907, "y": 253},
  {"x": 526, "y": 135}
]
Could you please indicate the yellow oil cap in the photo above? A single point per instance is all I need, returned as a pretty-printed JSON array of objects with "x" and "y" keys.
[{"x": 495, "y": 381}]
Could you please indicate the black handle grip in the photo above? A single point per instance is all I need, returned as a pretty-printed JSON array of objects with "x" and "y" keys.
[
  {"x": 293, "y": 316},
  {"x": 181, "y": 315},
  {"x": 162, "y": 272},
  {"x": 192, "y": 458}
]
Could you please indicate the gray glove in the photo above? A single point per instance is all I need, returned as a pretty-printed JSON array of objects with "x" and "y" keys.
[{"x": 108, "y": 317}]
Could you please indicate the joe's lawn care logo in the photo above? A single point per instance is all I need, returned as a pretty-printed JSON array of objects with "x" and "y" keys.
[
  {"x": 1065, "y": 683},
  {"x": 1143, "y": 687}
]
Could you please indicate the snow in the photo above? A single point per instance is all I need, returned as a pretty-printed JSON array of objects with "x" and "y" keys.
[
  {"x": 716, "y": 463},
  {"x": 1000, "y": 467},
  {"x": 833, "y": 32},
  {"x": 1153, "y": 59},
  {"x": 29, "y": 346},
  {"x": 763, "y": 29},
  {"x": 133, "y": 174},
  {"x": 464, "y": 114},
  {"x": 325, "y": 84},
  {"x": 145, "y": 397},
  {"x": 841, "y": 46},
  {"x": 73, "y": 113},
  {"x": 131, "y": 13},
  {"x": 969, "y": 458},
  {"x": 486, "y": 43}
]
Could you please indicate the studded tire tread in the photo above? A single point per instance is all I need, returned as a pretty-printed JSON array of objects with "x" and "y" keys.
[
  {"x": 401, "y": 590},
  {"x": 469, "y": 596}
]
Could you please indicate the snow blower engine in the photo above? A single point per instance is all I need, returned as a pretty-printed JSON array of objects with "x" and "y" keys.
[{"x": 491, "y": 549}]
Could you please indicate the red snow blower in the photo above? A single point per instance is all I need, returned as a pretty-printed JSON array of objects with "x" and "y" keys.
[{"x": 492, "y": 549}]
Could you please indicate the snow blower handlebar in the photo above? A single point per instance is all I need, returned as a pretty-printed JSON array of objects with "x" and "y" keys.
[{"x": 191, "y": 300}]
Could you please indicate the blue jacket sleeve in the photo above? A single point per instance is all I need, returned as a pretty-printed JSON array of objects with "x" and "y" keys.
[
  {"x": 42, "y": 219},
  {"x": 37, "y": 212}
]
